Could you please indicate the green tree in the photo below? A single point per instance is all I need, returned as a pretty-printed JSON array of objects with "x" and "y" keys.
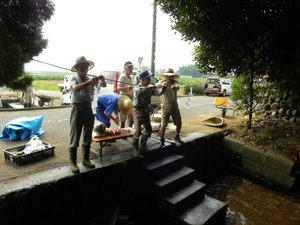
[
  {"x": 22, "y": 82},
  {"x": 246, "y": 37},
  {"x": 21, "y": 37},
  {"x": 241, "y": 94},
  {"x": 190, "y": 70}
]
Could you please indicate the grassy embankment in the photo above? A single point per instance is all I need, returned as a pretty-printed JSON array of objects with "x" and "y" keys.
[{"x": 48, "y": 80}]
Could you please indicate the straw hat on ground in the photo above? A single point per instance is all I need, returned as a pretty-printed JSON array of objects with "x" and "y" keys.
[
  {"x": 81, "y": 60},
  {"x": 125, "y": 105},
  {"x": 169, "y": 72}
]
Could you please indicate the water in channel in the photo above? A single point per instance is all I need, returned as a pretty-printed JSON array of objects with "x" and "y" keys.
[{"x": 249, "y": 203}]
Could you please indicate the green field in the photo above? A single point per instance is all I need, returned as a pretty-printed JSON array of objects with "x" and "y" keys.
[
  {"x": 50, "y": 80},
  {"x": 49, "y": 75},
  {"x": 45, "y": 85}
]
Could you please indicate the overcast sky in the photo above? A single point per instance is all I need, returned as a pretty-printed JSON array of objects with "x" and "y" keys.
[{"x": 109, "y": 33}]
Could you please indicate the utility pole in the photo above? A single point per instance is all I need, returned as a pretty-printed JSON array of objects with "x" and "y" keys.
[{"x": 153, "y": 39}]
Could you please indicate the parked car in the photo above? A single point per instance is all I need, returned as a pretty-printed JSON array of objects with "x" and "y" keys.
[{"x": 218, "y": 86}]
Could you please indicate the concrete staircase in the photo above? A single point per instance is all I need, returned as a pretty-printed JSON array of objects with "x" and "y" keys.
[{"x": 177, "y": 193}]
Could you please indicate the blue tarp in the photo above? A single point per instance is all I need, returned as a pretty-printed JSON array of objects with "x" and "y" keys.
[{"x": 23, "y": 128}]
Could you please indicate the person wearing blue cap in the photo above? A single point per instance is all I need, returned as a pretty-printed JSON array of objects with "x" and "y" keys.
[{"x": 141, "y": 100}]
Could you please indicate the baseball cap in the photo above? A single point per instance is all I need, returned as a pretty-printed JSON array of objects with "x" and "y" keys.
[
  {"x": 128, "y": 63},
  {"x": 145, "y": 74}
]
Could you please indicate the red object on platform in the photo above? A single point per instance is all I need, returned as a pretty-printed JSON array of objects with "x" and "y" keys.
[{"x": 115, "y": 83}]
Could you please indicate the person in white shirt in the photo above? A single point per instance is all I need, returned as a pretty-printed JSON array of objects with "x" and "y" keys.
[
  {"x": 65, "y": 98},
  {"x": 125, "y": 86}
]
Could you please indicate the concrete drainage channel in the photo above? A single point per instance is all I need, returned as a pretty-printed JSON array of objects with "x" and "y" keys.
[
  {"x": 162, "y": 187},
  {"x": 268, "y": 169}
]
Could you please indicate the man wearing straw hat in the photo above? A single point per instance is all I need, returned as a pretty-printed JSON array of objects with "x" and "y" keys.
[
  {"x": 82, "y": 118},
  {"x": 109, "y": 103},
  {"x": 169, "y": 105}
]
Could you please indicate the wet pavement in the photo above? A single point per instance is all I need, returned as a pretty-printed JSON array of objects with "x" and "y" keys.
[{"x": 249, "y": 203}]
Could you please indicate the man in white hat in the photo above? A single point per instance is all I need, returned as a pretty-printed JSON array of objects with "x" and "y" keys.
[
  {"x": 82, "y": 118},
  {"x": 169, "y": 106},
  {"x": 125, "y": 86},
  {"x": 65, "y": 99},
  {"x": 110, "y": 103}
]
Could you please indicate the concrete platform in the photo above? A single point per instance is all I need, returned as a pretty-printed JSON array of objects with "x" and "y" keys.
[{"x": 117, "y": 179}]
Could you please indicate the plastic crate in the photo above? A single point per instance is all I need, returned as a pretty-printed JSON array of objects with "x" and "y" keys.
[{"x": 27, "y": 158}]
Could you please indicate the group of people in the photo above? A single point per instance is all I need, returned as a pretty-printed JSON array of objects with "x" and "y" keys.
[{"x": 133, "y": 104}]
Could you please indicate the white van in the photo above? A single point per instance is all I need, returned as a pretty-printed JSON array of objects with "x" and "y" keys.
[
  {"x": 218, "y": 86},
  {"x": 66, "y": 85},
  {"x": 110, "y": 77}
]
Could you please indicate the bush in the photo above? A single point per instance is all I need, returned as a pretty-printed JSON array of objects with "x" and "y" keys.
[
  {"x": 240, "y": 95},
  {"x": 196, "y": 84},
  {"x": 197, "y": 89}
]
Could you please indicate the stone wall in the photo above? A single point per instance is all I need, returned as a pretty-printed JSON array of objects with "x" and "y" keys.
[
  {"x": 272, "y": 169},
  {"x": 278, "y": 104}
]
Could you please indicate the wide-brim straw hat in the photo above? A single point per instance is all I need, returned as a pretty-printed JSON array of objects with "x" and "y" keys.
[
  {"x": 125, "y": 105},
  {"x": 169, "y": 72},
  {"x": 81, "y": 60}
]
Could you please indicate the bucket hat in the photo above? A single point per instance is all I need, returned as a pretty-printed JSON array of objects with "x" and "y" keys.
[
  {"x": 169, "y": 72},
  {"x": 81, "y": 60}
]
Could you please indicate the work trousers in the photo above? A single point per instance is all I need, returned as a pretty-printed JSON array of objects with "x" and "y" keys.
[
  {"x": 124, "y": 117},
  {"x": 81, "y": 121},
  {"x": 141, "y": 117},
  {"x": 168, "y": 110}
]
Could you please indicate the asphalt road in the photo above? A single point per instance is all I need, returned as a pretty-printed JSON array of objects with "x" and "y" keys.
[{"x": 56, "y": 127}]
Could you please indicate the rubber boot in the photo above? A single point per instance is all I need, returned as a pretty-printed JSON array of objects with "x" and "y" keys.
[
  {"x": 178, "y": 141},
  {"x": 135, "y": 147},
  {"x": 143, "y": 146},
  {"x": 130, "y": 123},
  {"x": 86, "y": 157},
  {"x": 73, "y": 157},
  {"x": 162, "y": 143}
]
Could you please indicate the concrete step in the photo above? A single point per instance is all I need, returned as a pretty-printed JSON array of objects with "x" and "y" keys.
[
  {"x": 209, "y": 211},
  {"x": 158, "y": 152},
  {"x": 164, "y": 165},
  {"x": 171, "y": 182},
  {"x": 184, "y": 198}
]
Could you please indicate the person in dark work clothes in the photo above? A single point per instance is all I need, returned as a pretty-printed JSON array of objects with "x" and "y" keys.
[{"x": 141, "y": 100}]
